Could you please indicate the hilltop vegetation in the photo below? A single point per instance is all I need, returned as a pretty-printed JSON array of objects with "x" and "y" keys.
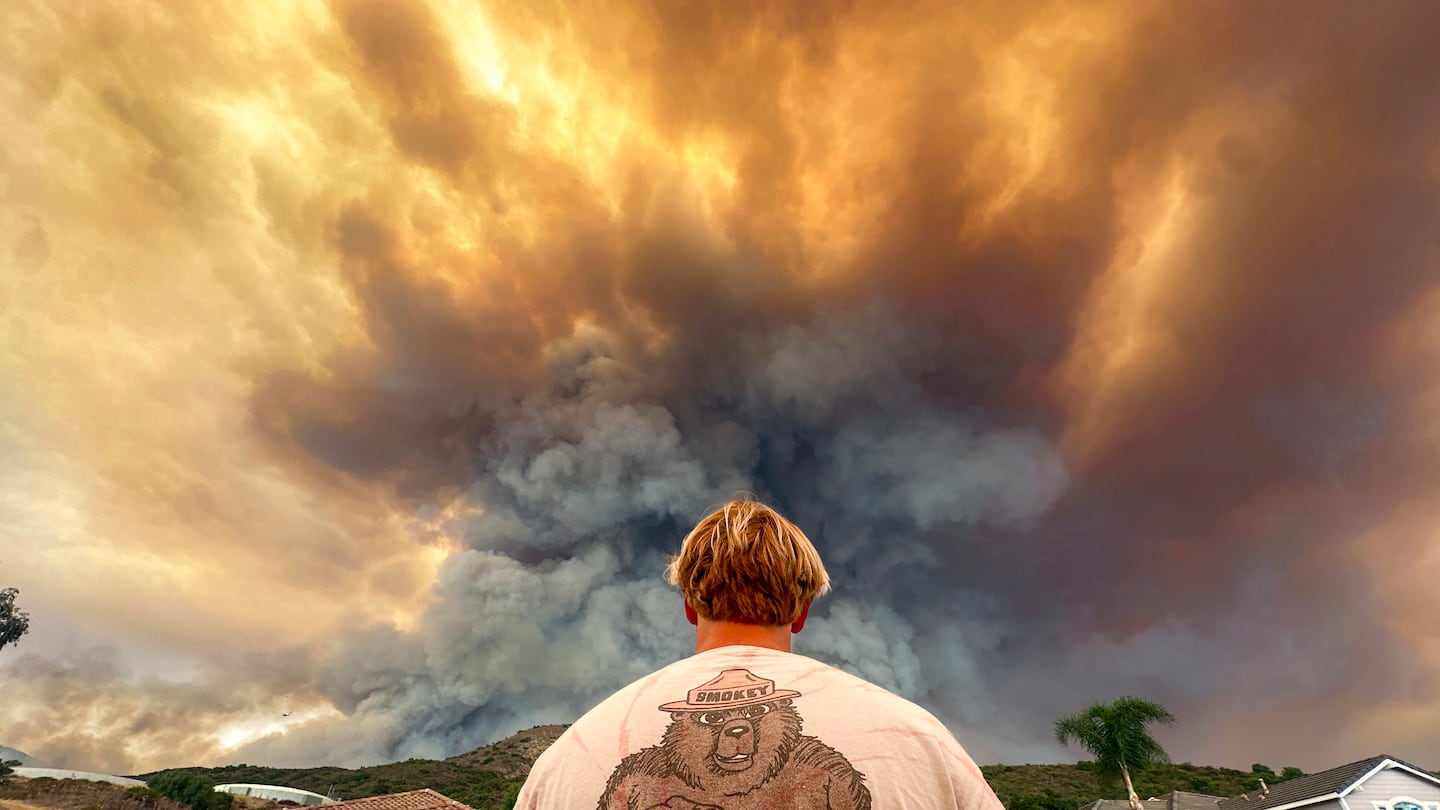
[
  {"x": 486, "y": 778},
  {"x": 78, "y": 794},
  {"x": 478, "y": 787},
  {"x": 489, "y": 777},
  {"x": 514, "y": 755},
  {"x": 1066, "y": 787}
]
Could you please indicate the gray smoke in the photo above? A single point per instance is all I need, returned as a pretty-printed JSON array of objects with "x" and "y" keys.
[{"x": 589, "y": 482}]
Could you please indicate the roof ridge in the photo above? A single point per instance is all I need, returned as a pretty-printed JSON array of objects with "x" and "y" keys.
[{"x": 430, "y": 799}]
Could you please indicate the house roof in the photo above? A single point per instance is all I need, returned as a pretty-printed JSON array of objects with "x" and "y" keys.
[
  {"x": 423, "y": 799},
  {"x": 1315, "y": 786},
  {"x": 1174, "y": 800},
  {"x": 1180, "y": 800},
  {"x": 1124, "y": 804}
]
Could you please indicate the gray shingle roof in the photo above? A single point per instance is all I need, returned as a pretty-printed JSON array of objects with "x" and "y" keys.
[
  {"x": 1181, "y": 800},
  {"x": 1174, "y": 800},
  {"x": 1124, "y": 804},
  {"x": 1310, "y": 786}
]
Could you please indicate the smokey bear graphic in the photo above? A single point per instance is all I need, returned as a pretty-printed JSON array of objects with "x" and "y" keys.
[{"x": 735, "y": 743}]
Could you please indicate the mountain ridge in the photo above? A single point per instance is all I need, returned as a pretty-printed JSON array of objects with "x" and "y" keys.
[
  {"x": 7, "y": 753},
  {"x": 489, "y": 776}
]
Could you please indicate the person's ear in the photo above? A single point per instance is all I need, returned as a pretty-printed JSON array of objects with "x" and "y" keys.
[
  {"x": 690, "y": 614},
  {"x": 799, "y": 623}
]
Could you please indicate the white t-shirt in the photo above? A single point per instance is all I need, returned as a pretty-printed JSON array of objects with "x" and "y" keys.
[{"x": 742, "y": 728}]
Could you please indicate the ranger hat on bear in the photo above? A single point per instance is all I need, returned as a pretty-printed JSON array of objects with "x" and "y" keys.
[{"x": 729, "y": 689}]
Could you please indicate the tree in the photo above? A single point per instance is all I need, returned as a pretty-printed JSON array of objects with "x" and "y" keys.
[
  {"x": 7, "y": 767},
  {"x": 14, "y": 622},
  {"x": 1116, "y": 735}
]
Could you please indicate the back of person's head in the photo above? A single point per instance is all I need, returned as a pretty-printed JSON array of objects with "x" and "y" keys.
[{"x": 746, "y": 563}]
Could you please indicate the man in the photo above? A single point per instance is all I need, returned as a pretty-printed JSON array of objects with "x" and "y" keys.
[{"x": 744, "y": 723}]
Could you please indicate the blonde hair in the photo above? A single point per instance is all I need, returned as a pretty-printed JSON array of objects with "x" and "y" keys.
[{"x": 746, "y": 563}]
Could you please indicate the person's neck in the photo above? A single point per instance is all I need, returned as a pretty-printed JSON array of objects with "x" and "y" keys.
[{"x": 710, "y": 634}]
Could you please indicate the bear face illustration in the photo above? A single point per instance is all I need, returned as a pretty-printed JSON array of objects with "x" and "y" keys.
[
  {"x": 737, "y": 748},
  {"x": 736, "y": 742}
]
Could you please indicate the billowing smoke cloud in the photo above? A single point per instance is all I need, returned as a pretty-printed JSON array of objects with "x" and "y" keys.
[{"x": 1090, "y": 344}]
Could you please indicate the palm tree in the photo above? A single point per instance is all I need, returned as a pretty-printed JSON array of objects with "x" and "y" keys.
[{"x": 1115, "y": 734}]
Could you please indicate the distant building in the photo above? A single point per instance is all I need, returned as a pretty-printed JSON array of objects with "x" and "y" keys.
[
  {"x": 275, "y": 793},
  {"x": 60, "y": 773},
  {"x": 425, "y": 799},
  {"x": 1378, "y": 783}
]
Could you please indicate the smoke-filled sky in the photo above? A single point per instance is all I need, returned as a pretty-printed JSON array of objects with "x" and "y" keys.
[{"x": 363, "y": 361}]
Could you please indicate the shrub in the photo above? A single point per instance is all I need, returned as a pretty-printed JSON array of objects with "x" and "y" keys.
[
  {"x": 1290, "y": 772},
  {"x": 1262, "y": 769},
  {"x": 142, "y": 793},
  {"x": 1049, "y": 800},
  {"x": 191, "y": 790}
]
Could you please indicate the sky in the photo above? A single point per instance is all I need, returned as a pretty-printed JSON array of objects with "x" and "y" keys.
[{"x": 362, "y": 362}]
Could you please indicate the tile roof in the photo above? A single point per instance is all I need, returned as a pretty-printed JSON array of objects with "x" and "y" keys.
[
  {"x": 1311, "y": 786},
  {"x": 423, "y": 799}
]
